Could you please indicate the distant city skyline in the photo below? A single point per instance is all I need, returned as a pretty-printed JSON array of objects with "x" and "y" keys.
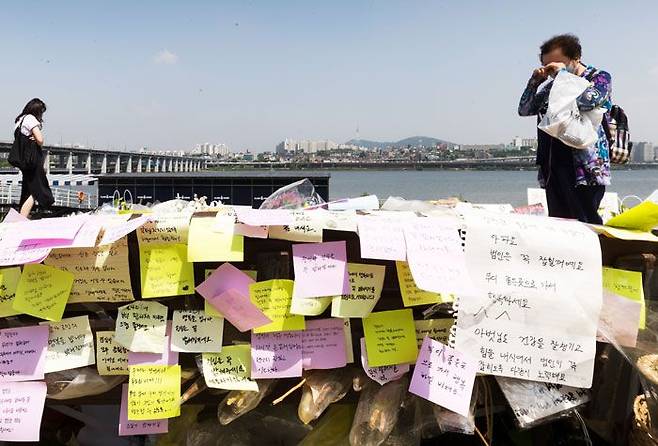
[{"x": 168, "y": 75}]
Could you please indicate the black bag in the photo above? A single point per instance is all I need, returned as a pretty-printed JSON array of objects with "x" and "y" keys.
[
  {"x": 619, "y": 136},
  {"x": 24, "y": 153}
]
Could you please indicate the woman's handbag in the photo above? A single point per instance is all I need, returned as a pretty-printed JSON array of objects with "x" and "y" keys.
[{"x": 24, "y": 152}]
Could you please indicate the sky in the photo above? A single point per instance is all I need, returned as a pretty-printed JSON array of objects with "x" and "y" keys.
[{"x": 169, "y": 75}]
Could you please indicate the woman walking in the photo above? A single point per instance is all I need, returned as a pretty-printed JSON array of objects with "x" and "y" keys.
[{"x": 27, "y": 133}]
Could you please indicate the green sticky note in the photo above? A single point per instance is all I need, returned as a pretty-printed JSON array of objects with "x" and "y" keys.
[
  {"x": 643, "y": 217},
  {"x": 165, "y": 271},
  {"x": 390, "y": 338},
  {"x": 43, "y": 291},
  {"x": 273, "y": 298},
  {"x": 627, "y": 284},
  {"x": 9, "y": 278},
  {"x": 366, "y": 283},
  {"x": 204, "y": 244}
]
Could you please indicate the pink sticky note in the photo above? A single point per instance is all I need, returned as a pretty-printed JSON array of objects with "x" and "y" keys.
[
  {"x": 444, "y": 376},
  {"x": 263, "y": 217},
  {"x": 23, "y": 353},
  {"x": 251, "y": 231},
  {"x": 168, "y": 357},
  {"x": 224, "y": 278},
  {"x": 115, "y": 232},
  {"x": 276, "y": 355},
  {"x": 320, "y": 269},
  {"x": 22, "y": 408},
  {"x": 144, "y": 427},
  {"x": 323, "y": 343},
  {"x": 239, "y": 310},
  {"x": 381, "y": 374}
]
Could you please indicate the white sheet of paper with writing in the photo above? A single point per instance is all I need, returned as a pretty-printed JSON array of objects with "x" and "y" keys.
[
  {"x": 381, "y": 236},
  {"x": 70, "y": 344},
  {"x": 536, "y": 309}
]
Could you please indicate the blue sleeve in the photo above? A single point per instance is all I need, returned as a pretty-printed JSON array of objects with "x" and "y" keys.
[
  {"x": 598, "y": 94},
  {"x": 531, "y": 100}
]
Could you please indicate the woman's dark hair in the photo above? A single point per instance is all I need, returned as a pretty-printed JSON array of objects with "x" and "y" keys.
[
  {"x": 568, "y": 43},
  {"x": 35, "y": 107}
]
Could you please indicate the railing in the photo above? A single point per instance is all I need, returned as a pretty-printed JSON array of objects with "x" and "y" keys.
[{"x": 64, "y": 197}]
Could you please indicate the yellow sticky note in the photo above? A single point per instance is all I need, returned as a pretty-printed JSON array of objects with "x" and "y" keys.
[
  {"x": 9, "y": 278},
  {"x": 390, "y": 338},
  {"x": 206, "y": 245},
  {"x": 165, "y": 271},
  {"x": 306, "y": 227},
  {"x": 624, "y": 234},
  {"x": 43, "y": 291},
  {"x": 111, "y": 358},
  {"x": 101, "y": 273},
  {"x": 229, "y": 369},
  {"x": 164, "y": 228},
  {"x": 643, "y": 217},
  {"x": 437, "y": 329},
  {"x": 212, "y": 311},
  {"x": 627, "y": 284},
  {"x": 273, "y": 298},
  {"x": 366, "y": 283},
  {"x": 153, "y": 392},
  {"x": 411, "y": 294},
  {"x": 309, "y": 306}
]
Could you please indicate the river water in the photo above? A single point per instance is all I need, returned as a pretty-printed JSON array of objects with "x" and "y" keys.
[{"x": 496, "y": 186}]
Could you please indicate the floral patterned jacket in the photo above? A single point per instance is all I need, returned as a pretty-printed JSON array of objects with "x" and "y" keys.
[{"x": 592, "y": 165}]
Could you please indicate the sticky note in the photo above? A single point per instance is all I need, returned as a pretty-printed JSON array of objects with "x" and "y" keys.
[
  {"x": 9, "y": 278},
  {"x": 619, "y": 320},
  {"x": 144, "y": 427},
  {"x": 212, "y": 311},
  {"x": 141, "y": 327},
  {"x": 121, "y": 229},
  {"x": 627, "y": 284},
  {"x": 226, "y": 277},
  {"x": 22, "y": 408},
  {"x": 276, "y": 355},
  {"x": 167, "y": 357},
  {"x": 390, "y": 337},
  {"x": 263, "y": 217},
  {"x": 101, "y": 274},
  {"x": 444, "y": 376},
  {"x": 366, "y": 283},
  {"x": 306, "y": 226},
  {"x": 381, "y": 237},
  {"x": 165, "y": 271},
  {"x": 13, "y": 253},
  {"x": 349, "y": 347},
  {"x": 240, "y": 311},
  {"x": 437, "y": 329},
  {"x": 411, "y": 294},
  {"x": 23, "y": 353},
  {"x": 320, "y": 269},
  {"x": 338, "y": 220},
  {"x": 229, "y": 369},
  {"x": 382, "y": 374},
  {"x": 111, "y": 358},
  {"x": 643, "y": 217},
  {"x": 70, "y": 344},
  {"x": 323, "y": 344},
  {"x": 165, "y": 228},
  {"x": 43, "y": 291},
  {"x": 206, "y": 245},
  {"x": 193, "y": 331},
  {"x": 154, "y": 392},
  {"x": 309, "y": 306},
  {"x": 273, "y": 298}
]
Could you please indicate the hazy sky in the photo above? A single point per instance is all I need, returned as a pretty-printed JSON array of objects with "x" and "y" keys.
[{"x": 166, "y": 74}]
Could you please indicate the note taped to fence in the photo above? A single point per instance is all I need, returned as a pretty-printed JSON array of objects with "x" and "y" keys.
[
  {"x": 111, "y": 358},
  {"x": 206, "y": 245},
  {"x": 323, "y": 343},
  {"x": 276, "y": 355},
  {"x": 411, "y": 294},
  {"x": 43, "y": 291},
  {"x": 141, "y": 327},
  {"x": 382, "y": 374},
  {"x": 165, "y": 271},
  {"x": 144, "y": 427},
  {"x": 9, "y": 278},
  {"x": 193, "y": 331},
  {"x": 320, "y": 269},
  {"x": 273, "y": 298},
  {"x": 390, "y": 338},
  {"x": 101, "y": 274},
  {"x": 22, "y": 410},
  {"x": 24, "y": 353},
  {"x": 306, "y": 226},
  {"x": 229, "y": 369},
  {"x": 437, "y": 329},
  {"x": 366, "y": 283},
  {"x": 154, "y": 392},
  {"x": 70, "y": 344},
  {"x": 627, "y": 284},
  {"x": 164, "y": 228}
]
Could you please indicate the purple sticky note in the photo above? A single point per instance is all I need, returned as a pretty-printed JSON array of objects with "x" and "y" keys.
[
  {"x": 22, "y": 408},
  {"x": 168, "y": 357},
  {"x": 239, "y": 310},
  {"x": 444, "y": 376},
  {"x": 381, "y": 374},
  {"x": 224, "y": 278},
  {"x": 23, "y": 353},
  {"x": 144, "y": 427},
  {"x": 320, "y": 269},
  {"x": 276, "y": 355},
  {"x": 323, "y": 344}
]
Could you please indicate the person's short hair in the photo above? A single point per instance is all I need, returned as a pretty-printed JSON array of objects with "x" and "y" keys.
[{"x": 568, "y": 43}]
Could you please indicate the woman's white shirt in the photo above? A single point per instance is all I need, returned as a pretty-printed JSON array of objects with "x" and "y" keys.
[{"x": 27, "y": 124}]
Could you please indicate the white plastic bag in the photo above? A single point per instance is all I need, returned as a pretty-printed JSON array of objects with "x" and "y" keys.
[{"x": 563, "y": 119}]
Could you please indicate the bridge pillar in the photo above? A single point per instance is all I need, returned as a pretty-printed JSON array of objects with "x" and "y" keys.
[
  {"x": 187, "y": 165},
  {"x": 69, "y": 163},
  {"x": 46, "y": 162},
  {"x": 171, "y": 166},
  {"x": 129, "y": 167},
  {"x": 104, "y": 164},
  {"x": 117, "y": 165},
  {"x": 88, "y": 164},
  {"x": 148, "y": 165},
  {"x": 139, "y": 165},
  {"x": 175, "y": 165}
]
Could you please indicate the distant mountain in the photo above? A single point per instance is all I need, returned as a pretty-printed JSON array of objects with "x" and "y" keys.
[{"x": 413, "y": 141}]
